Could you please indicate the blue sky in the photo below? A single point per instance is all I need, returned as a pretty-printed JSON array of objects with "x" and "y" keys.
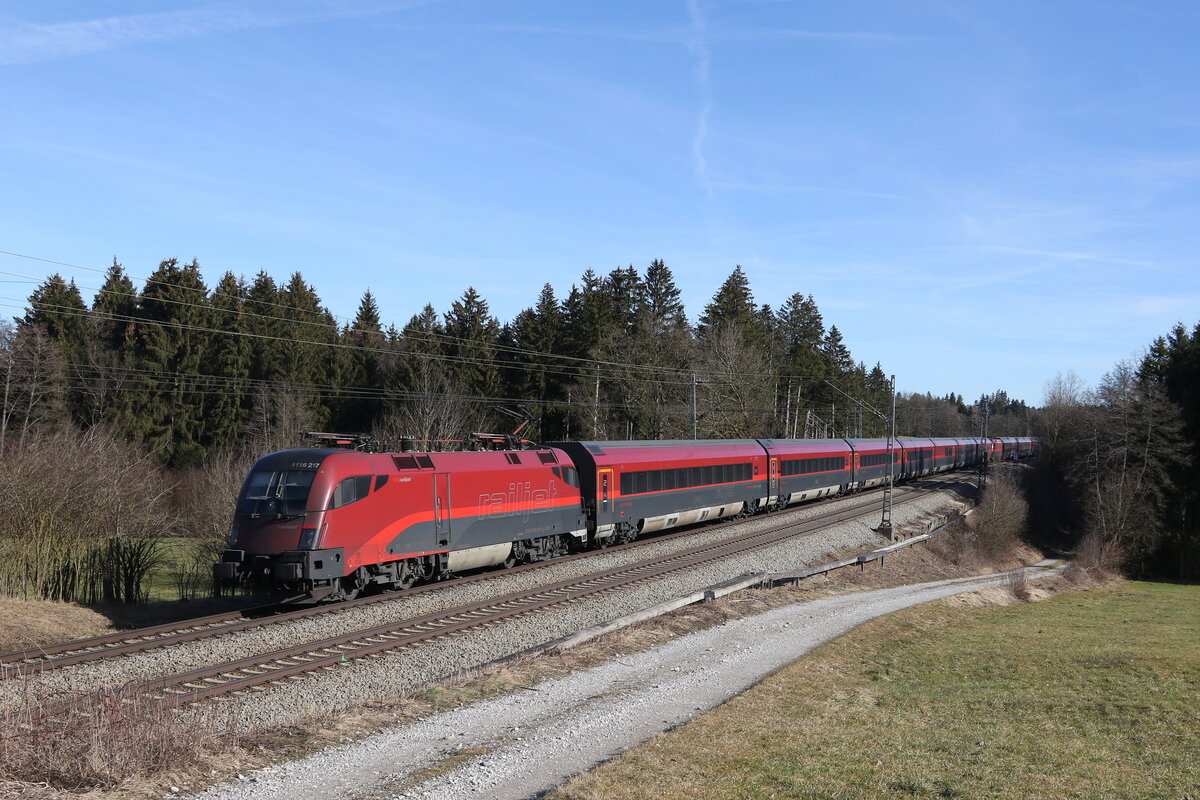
[{"x": 979, "y": 195}]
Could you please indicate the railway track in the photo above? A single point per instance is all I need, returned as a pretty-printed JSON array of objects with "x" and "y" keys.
[
  {"x": 19, "y": 663},
  {"x": 293, "y": 663}
]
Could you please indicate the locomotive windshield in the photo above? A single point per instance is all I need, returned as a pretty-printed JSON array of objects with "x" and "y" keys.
[{"x": 281, "y": 494}]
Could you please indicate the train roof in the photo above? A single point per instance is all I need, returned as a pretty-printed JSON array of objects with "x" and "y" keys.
[{"x": 623, "y": 444}]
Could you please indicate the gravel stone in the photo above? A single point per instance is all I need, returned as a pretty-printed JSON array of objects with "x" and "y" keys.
[
  {"x": 571, "y": 724},
  {"x": 393, "y": 675}
]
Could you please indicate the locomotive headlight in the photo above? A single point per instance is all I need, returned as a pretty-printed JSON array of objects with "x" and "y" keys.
[{"x": 308, "y": 538}]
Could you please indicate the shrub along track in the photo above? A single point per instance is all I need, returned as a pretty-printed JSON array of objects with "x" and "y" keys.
[{"x": 334, "y": 652}]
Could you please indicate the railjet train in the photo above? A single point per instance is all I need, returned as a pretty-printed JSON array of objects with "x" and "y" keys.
[{"x": 328, "y": 523}]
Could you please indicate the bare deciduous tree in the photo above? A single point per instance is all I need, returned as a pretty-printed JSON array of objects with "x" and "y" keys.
[
  {"x": 735, "y": 406},
  {"x": 84, "y": 519},
  {"x": 1116, "y": 446},
  {"x": 278, "y": 418},
  {"x": 431, "y": 411},
  {"x": 31, "y": 395}
]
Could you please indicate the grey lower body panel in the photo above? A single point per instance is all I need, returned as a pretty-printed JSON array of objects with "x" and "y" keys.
[
  {"x": 473, "y": 532},
  {"x": 654, "y": 511}
]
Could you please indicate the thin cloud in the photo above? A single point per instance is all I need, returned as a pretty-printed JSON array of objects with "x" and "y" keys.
[
  {"x": 1057, "y": 255},
  {"x": 782, "y": 188},
  {"x": 1163, "y": 306},
  {"x": 596, "y": 32},
  {"x": 28, "y": 43},
  {"x": 699, "y": 47},
  {"x": 828, "y": 36}
]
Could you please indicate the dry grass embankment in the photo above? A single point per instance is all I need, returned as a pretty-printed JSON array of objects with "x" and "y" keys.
[
  {"x": 96, "y": 753},
  {"x": 1087, "y": 695},
  {"x": 31, "y": 623}
]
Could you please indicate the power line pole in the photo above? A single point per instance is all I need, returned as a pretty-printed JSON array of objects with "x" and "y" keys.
[
  {"x": 885, "y": 524},
  {"x": 596, "y": 411},
  {"x": 983, "y": 462},
  {"x": 787, "y": 413},
  {"x": 695, "y": 420},
  {"x": 796, "y": 416}
]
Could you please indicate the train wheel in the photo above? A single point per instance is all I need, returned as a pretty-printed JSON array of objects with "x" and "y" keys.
[
  {"x": 406, "y": 574},
  {"x": 351, "y": 585}
]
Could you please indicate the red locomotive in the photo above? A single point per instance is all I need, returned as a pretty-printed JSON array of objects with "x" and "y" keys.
[{"x": 330, "y": 522}]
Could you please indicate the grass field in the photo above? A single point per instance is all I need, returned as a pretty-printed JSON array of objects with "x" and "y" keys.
[
  {"x": 163, "y": 583},
  {"x": 1088, "y": 695}
]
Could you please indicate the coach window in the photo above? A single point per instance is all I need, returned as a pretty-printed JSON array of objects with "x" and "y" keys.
[{"x": 351, "y": 490}]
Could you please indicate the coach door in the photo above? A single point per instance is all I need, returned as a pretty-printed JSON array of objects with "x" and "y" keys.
[
  {"x": 773, "y": 475},
  {"x": 604, "y": 489},
  {"x": 441, "y": 509}
]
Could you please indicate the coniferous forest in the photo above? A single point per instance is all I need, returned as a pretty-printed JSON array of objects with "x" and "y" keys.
[
  {"x": 134, "y": 416},
  {"x": 185, "y": 371}
]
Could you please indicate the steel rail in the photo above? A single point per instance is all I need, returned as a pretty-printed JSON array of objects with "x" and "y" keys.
[
  {"x": 336, "y": 651},
  {"x": 120, "y": 643}
]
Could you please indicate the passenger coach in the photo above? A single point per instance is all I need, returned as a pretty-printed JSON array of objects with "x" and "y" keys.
[{"x": 648, "y": 486}]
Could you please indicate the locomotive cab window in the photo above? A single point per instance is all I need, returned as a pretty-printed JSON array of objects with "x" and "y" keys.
[
  {"x": 351, "y": 490},
  {"x": 282, "y": 493}
]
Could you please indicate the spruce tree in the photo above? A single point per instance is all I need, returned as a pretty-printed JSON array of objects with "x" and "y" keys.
[
  {"x": 171, "y": 343},
  {"x": 58, "y": 309},
  {"x": 801, "y": 332},
  {"x": 268, "y": 329},
  {"x": 533, "y": 333},
  {"x": 472, "y": 333},
  {"x": 364, "y": 373},
  {"x": 731, "y": 307},
  {"x": 57, "y": 312},
  {"x": 588, "y": 314},
  {"x": 113, "y": 310},
  {"x": 838, "y": 360},
  {"x": 626, "y": 294},
  {"x": 228, "y": 361},
  {"x": 309, "y": 357},
  {"x": 662, "y": 307}
]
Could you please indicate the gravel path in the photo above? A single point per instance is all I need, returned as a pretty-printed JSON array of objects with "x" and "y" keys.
[{"x": 571, "y": 724}]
